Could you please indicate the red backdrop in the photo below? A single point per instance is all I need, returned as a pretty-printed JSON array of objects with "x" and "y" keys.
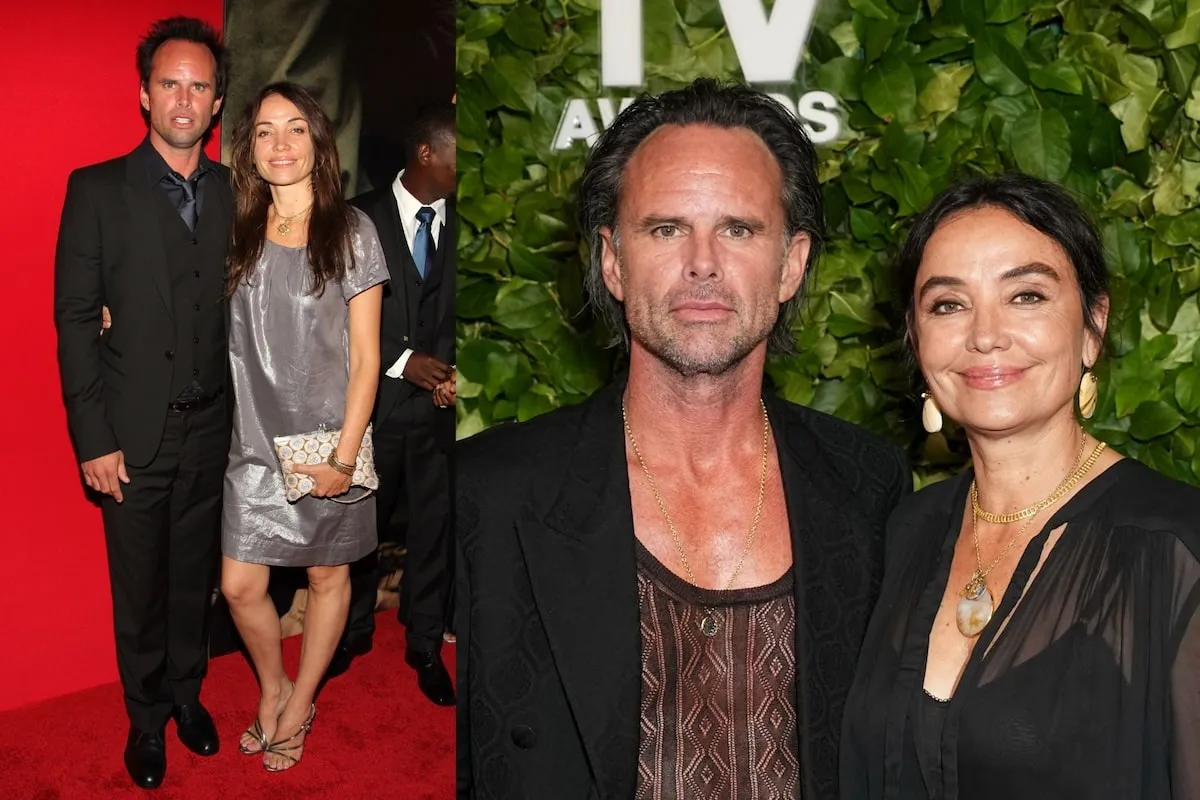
[{"x": 69, "y": 90}]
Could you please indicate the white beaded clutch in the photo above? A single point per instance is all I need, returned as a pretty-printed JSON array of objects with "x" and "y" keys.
[{"x": 314, "y": 448}]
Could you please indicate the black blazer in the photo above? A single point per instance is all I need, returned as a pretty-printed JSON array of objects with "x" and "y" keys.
[
  {"x": 549, "y": 654},
  {"x": 111, "y": 252},
  {"x": 401, "y": 302}
]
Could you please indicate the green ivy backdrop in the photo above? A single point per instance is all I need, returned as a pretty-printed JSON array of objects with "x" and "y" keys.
[{"x": 1099, "y": 95}]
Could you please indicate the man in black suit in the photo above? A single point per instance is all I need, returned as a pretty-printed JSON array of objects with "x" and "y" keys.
[
  {"x": 413, "y": 428},
  {"x": 662, "y": 590},
  {"x": 146, "y": 236}
]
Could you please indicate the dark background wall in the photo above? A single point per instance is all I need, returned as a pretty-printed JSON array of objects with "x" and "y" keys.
[{"x": 371, "y": 63}]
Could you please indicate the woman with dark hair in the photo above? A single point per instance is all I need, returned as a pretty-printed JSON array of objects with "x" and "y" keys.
[
  {"x": 1037, "y": 633},
  {"x": 305, "y": 280}
]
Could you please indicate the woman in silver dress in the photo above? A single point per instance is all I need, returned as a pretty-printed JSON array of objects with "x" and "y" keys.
[{"x": 305, "y": 281}]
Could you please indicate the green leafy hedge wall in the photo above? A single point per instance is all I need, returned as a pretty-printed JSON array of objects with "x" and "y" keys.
[{"x": 1102, "y": 96}]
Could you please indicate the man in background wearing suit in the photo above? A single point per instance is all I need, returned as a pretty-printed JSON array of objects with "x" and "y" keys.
[
  {"x": 146, "y": 235},
  {"x": 414, "y": 420}
]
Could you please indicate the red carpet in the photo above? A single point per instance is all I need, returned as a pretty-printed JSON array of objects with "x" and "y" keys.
[{"x": 375, "y": 736}]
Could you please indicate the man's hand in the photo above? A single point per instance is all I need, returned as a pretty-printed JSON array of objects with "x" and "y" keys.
[
  {"x": 106, "y": 474},
  {"x": 329, "y": 482},
  {"x": 105, "y": 320},
  {"x": 446, "y": 392},
  {"x": 425, "y": 371}
]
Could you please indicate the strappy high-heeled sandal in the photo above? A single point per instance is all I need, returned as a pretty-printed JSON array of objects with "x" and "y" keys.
[
  {"x": 285, "y": 748},
  {"x": 256, "y": 732}
]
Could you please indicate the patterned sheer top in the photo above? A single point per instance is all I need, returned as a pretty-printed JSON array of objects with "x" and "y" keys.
[{"x": 718, "y": 713}]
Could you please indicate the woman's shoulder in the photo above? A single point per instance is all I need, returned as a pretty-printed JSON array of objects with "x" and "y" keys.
[
  {"x": 920, "y": 519},
  {"x": 367, "y": 247},
  {"x": 934, "y": 499},
  {"x": 364, "y": 226},
  {"x": 1142, "y": 498},
  {"x": 1153, "y": 520}
]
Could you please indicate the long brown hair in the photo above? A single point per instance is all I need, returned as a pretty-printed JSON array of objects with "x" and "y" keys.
[{"x": 332, "y": 221}]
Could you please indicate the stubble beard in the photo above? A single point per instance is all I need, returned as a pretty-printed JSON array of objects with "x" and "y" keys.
[
  {"x": 725, "y": 345},
  {"x": 181, "y": 140}
]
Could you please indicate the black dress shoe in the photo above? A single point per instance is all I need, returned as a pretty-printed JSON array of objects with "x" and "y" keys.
[
  {"x": 432, "y": 677},
  {"x": 196, "y": 729},
  {"x": 345, "y": 654},
  {"x": 146, "y": 758}
]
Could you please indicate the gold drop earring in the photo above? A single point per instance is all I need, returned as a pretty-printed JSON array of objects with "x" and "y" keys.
[{"x": 1089, "y": 393}]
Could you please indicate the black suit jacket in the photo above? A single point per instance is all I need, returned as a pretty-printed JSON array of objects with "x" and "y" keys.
[
  {"x": 549, "y": 651},
  {"x": 111, "y": 252},
  {"x": 400, "y": 301}
]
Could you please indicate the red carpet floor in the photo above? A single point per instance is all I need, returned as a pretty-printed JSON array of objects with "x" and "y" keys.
[{"x": 375, "y": 736}]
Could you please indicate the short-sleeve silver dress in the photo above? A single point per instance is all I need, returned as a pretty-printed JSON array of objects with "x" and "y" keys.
[{"x": 289, "y": 355}]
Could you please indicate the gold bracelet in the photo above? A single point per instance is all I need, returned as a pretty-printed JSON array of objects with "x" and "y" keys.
[{"x": 345, "y": 469}]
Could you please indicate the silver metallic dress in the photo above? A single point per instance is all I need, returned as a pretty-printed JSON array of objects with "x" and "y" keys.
[{"x": 289, "y": 355}]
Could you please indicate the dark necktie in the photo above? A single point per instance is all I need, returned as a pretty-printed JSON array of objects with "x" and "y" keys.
[
  {"x": 185, "y": 198},
  {"x": 423, "y": 248}
]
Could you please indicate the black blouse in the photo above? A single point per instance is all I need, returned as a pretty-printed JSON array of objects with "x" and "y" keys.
[{"x": 1091, "y": 690}]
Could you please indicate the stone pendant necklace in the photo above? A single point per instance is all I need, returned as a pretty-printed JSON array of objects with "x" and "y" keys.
[
  {"x": 710, "y": 622},
  {"x": 976, "y": 606}
]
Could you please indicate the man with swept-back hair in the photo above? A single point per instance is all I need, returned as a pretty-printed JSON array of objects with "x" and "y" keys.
[
  {"x": 146, "y": 235},
  {"x": 662, "y": 591}
]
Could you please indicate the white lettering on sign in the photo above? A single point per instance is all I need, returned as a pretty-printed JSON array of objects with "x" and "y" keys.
[
  {"x": 575, "y": 124},
  {"x": 816, "y": 111},
  {"x": 768, "y": 47},
  {"x": 621, "y": 42}
]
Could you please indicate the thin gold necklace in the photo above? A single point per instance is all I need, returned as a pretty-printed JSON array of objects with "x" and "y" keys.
[
  {"x": 284, "y": 223},
  {"x": 709, "y": 624},
  {"x": 976, "y": 607}
]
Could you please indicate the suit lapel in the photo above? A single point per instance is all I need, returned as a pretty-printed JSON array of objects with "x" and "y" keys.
[
  {"x": 579, "y": 548},
  {"x": 144, "y": 227},
  {"x": 219, "y": 206},
  {"x": 445, "y": 244},
  {"x": 395, "y": 252},
  {"x": 823, "y": 533},
  {"x": 447, "y": 263},
  {"x": 218, "y": 203}
]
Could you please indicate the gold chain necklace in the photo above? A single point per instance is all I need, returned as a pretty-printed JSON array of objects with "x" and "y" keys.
[
  {"x": 284, "y": 226},
  {"x": 708, "y": 623},
  {"x": 976, "y": 607},
  {"x": 1031, "y": 511}
]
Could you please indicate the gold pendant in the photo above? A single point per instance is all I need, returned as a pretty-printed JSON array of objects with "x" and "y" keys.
[
  {"x": 709, "y": 625},
  {"x": 284, "y": 228},
  {"x": 975, "y": 609}
]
